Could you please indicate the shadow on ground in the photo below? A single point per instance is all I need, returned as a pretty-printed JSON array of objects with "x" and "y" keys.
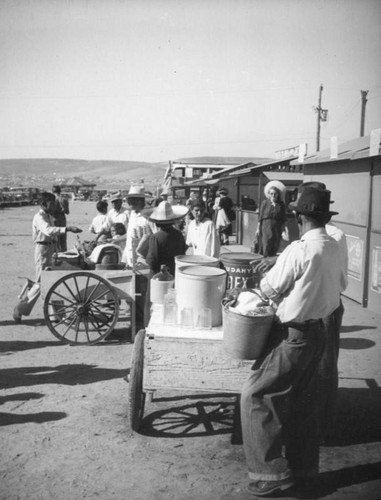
[
  {"x": 73, "y": 374},
  {"x": 37, "y": 418},
  {"x": 356, "y": 343},
  {"x": 359, "y": 413}
]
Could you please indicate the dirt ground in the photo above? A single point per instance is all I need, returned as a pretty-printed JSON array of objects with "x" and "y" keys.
[{"x": 64, "y": 412}]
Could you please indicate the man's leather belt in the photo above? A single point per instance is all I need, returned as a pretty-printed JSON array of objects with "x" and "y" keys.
[{"x": 44, "y": 242}]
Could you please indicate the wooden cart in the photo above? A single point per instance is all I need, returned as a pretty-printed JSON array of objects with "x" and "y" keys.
[
  {"x": 83, "y": 307},
  {"x": 166, "y": 357}
]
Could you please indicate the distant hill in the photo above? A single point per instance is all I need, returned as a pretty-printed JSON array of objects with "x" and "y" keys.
[{"x": 104, "y": 173}]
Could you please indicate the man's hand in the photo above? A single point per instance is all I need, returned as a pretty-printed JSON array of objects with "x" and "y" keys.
[
  {"x": 73, "y": 229},
  {"x": 264, "y": 265}
]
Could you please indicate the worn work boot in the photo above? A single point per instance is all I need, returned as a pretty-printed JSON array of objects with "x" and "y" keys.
[{"x": 263, "y": 488}]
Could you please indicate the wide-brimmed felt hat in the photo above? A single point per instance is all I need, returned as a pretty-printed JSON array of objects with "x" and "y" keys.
[
  {"x": 313, "y": 201},
  {"x": 117, "y": 195},
  {"x": 165, "y": 213},
  {"x": 275, "y": 184},
  {"x": 137, "y": 191},
  {"x": 311, "y": 184}
]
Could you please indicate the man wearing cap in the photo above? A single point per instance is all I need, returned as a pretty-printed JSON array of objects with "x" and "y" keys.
[
  {"x": 279, "y": 399},
  {"x": 117, "y": 213}
]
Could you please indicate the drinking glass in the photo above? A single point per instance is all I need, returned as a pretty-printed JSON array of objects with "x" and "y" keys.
[
  {"x": 186, "y": 318},
  {"x": 204, "y": 319}
]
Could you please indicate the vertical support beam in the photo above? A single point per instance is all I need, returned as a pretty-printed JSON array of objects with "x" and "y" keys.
[
  {"x": 318, "y": 110},
  {"x": 364, "y": 94}
]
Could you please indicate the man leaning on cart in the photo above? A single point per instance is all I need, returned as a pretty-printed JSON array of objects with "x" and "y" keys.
[
  {"x": 44, "y": 240},
  {"x": 279, "y": 403}
]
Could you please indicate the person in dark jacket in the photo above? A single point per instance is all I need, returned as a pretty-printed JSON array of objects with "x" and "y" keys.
[
  {"x": 61, "y": 209},
  {"x": 225, "y": 216},
  {"x": 272, "y": 219},
  {"x": 167, "y": 242}
]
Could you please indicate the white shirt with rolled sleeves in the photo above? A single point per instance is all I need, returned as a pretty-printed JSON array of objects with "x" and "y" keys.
[
  {"x": 307, "y": 278},
  {"x": 339, "y": 235},
  {"x": 138, "y": 227},
  {"x": 43, "y": 228}
]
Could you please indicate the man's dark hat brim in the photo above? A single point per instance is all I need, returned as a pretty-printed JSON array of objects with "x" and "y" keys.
[{"x": 295, "y": 208}]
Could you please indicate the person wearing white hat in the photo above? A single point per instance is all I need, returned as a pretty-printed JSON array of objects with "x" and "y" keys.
[
  {"x": 138, "y": 227},
  {"x": 167, "y": 242},
  {"x": 271, "y": 219}
]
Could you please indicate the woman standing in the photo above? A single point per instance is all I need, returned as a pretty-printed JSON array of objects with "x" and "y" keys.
[
  {"x": 202, "y": 235},
  {"x": 225, "y": 216},
  {"x": 272, "y": 219}
]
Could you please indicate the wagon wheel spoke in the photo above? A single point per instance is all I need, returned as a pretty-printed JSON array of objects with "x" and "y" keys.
[
  {"x": 71, "y": 293},
  {"x": 92, "y": 293},
  {"x": 64, "y": 298},
  {"x": 98, "y": 297},
  {"x": 86, "y": 324}
]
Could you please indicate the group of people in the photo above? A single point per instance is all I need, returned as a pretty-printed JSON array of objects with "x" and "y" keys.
[
  {"x": 156, "y": 235},
  {"x": 290, "y": 394}
]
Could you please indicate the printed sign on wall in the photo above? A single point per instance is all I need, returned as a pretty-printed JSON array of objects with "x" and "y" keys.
[
  {"x": 376, "y": 270},
  {"x": 355, "y": 256}
]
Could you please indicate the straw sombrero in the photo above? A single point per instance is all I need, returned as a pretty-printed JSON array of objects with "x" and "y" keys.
[
  {"x": 116, "y": 196},
  {"x": 165, "y": 213}
]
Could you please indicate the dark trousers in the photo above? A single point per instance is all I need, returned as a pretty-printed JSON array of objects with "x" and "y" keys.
[
  {"x": 328, "y": 374},
  {"x": 279, "y": 405}
]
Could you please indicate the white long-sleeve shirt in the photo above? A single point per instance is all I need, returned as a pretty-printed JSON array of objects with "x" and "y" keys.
[
  {"x": 43, "y": 228},
  {"x": 307, "y": 278},
  {"x": 203, "y": 238}
]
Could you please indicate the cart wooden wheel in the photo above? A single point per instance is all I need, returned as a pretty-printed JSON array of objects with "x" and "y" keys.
[
  {"x": 136, "y": 396},
  {"x": 81, "y": 308}
]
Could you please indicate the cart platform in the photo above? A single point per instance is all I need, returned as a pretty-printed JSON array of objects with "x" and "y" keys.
[{"x": 169, "y": 357}]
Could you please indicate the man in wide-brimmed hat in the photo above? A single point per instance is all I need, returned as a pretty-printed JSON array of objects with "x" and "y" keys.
[
  {"x": 167, "y": 242},
  {"x": 279, "y": 399}
]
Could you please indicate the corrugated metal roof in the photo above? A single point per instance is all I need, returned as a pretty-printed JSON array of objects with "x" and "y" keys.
[
  {"x": 271, "y": 163},
  {"x": 350, "y": 150},
  {"x": 220, "y": 160}
]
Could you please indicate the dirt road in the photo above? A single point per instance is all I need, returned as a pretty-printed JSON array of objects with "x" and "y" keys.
[{"x": 64, "y": 431}]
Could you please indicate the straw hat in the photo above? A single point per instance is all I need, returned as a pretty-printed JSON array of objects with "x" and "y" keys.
[
  {"x": 136, "y": 192},
  {"x": 312, "y": 201},
  {"x": 165, "y": 213},
  {"x": 117, "y": 195},
  {"x": 275, "y": 184}
]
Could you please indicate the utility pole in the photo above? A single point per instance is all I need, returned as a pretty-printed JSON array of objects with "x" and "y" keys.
[
  {"x": 321, "y": 116},
  {"x": 364, "y": 94}
]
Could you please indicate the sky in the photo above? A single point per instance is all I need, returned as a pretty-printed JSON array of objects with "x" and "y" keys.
[{"x": 157, "y": 80}]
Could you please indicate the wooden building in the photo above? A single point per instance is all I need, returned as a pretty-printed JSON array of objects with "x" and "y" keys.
[{"x": 352, "y": 172}]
